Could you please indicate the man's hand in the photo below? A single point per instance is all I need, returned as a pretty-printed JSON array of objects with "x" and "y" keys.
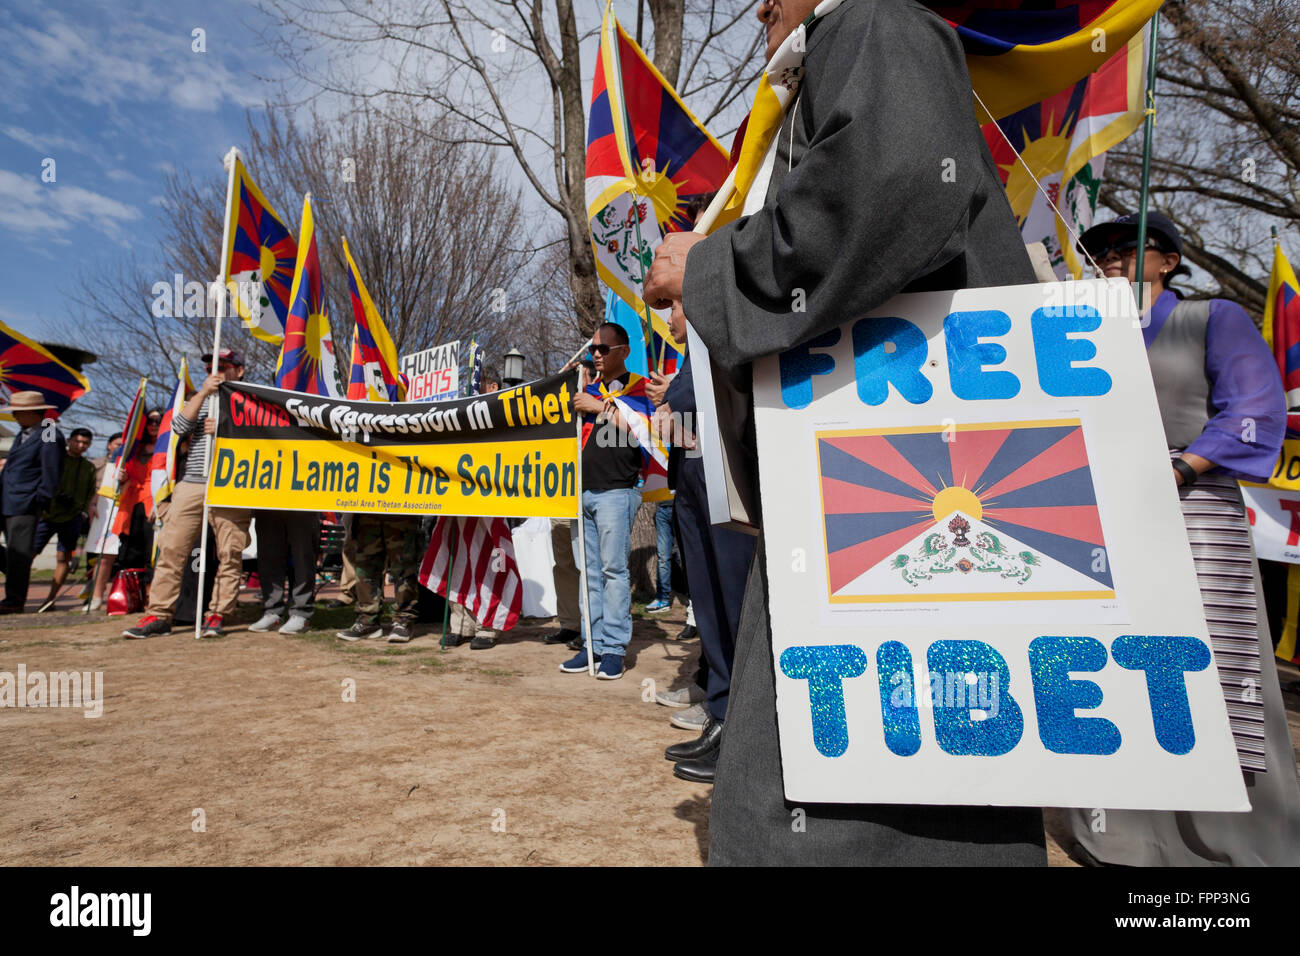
[
  {"x": 663, "y": 283},
  {"x": 211, "y": 384},
  {"x": 588, "y": 404},
  {"x": 209, "y": 426},
  {"x": 657, "y": 386}
]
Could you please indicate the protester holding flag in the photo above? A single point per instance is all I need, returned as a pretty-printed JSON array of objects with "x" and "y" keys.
[
  {"x": 28, "y": 484},
  {"x": 67, "y": 513},
  {"x": 616, "y": 410},
  {"x": 1224, "y": 414},
  {"x": 840, "y": 203},
  {"x": 180, "y": 533}
]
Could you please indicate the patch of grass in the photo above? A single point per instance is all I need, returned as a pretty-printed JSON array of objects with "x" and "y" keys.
[{"x": 498, "y": 672}]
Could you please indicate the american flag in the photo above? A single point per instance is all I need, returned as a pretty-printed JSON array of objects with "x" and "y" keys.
[{"x": 485, "y": 578}]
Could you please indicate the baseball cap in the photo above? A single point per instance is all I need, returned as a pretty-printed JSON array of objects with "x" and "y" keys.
[
  {"x": 233, "y": 356},
  {"x": 1159, "y": 227}
]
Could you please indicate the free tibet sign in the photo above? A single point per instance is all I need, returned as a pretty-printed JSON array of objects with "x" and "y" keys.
[
  {"x": 980, "y": 584},
  {"x": 434, "y": 374}
]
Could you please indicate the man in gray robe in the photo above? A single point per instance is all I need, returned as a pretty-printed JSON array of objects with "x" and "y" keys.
[{"x": 882, "y": 184}]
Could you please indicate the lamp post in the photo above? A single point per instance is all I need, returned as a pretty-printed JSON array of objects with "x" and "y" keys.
[{"x": 512, "y": 368}]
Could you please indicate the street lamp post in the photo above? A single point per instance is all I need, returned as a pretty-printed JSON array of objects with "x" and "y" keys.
[{"x": 512, "y": 368}]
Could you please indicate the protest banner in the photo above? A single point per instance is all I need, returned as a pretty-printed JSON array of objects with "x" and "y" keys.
[
  {"x": 511, "y": 453},
  {"x": 1274, "y": 508},
  {"x": 981, "y": 586},
  {"x": 434, "y": 374},
  {"x": 1274, "y": 515}
]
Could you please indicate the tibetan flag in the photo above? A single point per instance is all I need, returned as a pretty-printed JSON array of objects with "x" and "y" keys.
[
  {"x": 1062, "y": 141},
  {"x": 26, "y": 366},
  {"x": 259, "y": 258},
  {"x": 132, "y": 433},
  {"x": 1282, "y": 324},
  {"x": 162, "y": 466},
  {"x": 660, "y": 352},
  {"x": 647, "y": 158},
  {"x": 307, "y": 356},
  {"x": 1020, "y": 52},
  {"x": 375, "y": 376},
  {"x": 636, "y": 409}
]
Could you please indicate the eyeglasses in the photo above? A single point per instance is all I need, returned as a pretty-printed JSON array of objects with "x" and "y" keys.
[
  {"x": 603, "y": 350},
  {"x": 1123, "y": 249}
]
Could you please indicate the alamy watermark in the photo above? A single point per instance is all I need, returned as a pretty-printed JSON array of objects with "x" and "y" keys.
[{"x": 84, "y": 689}]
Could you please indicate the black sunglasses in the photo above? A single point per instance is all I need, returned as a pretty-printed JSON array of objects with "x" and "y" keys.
[
  {"x": 603, "y": 350},
  {"x": 1123, "y": 248}
]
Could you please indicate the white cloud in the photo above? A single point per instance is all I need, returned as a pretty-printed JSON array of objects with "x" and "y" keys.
[
  {"x": 33, "y": 208},
  {"x": 124, "y": 60},
  {"x": 46, "y": 143},
  {"x": 122, "y": 176}
]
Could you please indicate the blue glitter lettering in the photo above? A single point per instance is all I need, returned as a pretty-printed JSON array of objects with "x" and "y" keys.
[
  {"x": 954, "y": 727},
  {"x": 1056, "y": 696},
  {"x": 825, "y": 667},
  {"x": 1165, "y": 659}
]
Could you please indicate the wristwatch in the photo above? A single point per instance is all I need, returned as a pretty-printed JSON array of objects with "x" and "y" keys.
[{"x": 1187, "y": 471}]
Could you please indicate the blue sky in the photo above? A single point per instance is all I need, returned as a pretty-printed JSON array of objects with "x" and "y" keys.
[{"x": 115, "y": 95}]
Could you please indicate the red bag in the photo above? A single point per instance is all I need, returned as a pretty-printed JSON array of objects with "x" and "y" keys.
[{"x": 128, "y": 592}]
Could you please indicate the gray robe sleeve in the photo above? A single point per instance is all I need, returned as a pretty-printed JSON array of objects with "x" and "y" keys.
[{"x": 867, "y": 211}]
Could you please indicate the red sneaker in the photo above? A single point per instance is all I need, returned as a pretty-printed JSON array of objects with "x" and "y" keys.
[
  {"x": 212, "y": 626},
  {"x": 149, "y": 626}
]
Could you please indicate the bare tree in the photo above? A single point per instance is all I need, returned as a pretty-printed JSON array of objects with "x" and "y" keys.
[
  {"x": 512, "y": 72},
  {"x": 1226, "y": 161},
  {"x": 431, "y": 225}
]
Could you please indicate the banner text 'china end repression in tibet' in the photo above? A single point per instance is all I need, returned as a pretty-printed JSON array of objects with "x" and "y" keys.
[{"x": 509, "y": 453}]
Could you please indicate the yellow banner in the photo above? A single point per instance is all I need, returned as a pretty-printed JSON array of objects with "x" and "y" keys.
[{"x": 510, "y": 454}]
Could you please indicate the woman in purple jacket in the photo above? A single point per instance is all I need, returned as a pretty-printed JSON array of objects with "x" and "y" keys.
[{"x": 1224, "y": 415}]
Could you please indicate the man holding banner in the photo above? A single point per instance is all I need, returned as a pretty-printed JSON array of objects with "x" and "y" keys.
[{"x": 850, "y": 207}]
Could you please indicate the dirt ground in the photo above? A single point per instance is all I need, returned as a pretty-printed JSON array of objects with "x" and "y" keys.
[{"x": 445, "y": 757}]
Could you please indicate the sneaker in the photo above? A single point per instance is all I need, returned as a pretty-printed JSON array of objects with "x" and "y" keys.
[
  {"x": 360, "y": 631},
  {"x": 482, "y": 643},
  {"x": 692, "y": 718},
  {"x": 577, "y": 664},
  {"x": 212, "y": 626},
  {"x": 562, "y": 636},
  {"x": 657, "y": 606},
  {"x": 577, "y": 642},
  {"x": 687, "y": 633},
  {"x": 149, "y": 626},
  {"x": 297, "y": 624},
  {"x": 85, "y": 593},
  {"x": 95, "y": 604},
  {"x": 680, "y": 698},
  {"x": 399, "y": 634},
  {"x": 266, "y": 622},
  {"x": 611, "y": 667}
]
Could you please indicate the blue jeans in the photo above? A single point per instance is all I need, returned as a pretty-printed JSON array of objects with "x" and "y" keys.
[
  {"x": 607, "y": 518},
  {"x": 664, "y": 542}
]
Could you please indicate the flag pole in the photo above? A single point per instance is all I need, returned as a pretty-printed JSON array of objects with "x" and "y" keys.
[
  {"x": 451, "y": 566},
  {"x": 212, "y": 400},
  {"x": 1147, "y": 136},
  {"x": 582, "y": 549}
]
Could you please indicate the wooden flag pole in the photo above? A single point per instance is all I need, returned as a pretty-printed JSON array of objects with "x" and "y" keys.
[
  {"x": 1147, "y": 136},
  {"x": 212, "y": 400}
]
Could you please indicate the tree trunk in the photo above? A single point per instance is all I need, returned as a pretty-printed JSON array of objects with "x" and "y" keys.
[{"x": 667, "y": 16}]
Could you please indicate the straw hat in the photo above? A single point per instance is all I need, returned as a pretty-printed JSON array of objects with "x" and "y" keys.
[{"x": 26, "y": 402}]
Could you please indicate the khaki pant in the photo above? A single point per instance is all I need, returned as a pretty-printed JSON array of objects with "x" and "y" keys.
[
  {"x": 463, "y": 624},
  {"x": 178, "y": 543},
  {"x": 567, "y": 583},
  {"x": 352, "y": 590}
]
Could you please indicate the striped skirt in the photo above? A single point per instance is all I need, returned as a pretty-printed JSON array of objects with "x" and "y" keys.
[{"x": 1226, "y": 571}]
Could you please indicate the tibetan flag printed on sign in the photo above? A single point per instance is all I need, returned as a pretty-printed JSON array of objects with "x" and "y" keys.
[
  {"x": 1003, "y": 511},
  {"x": 1020, "y": 52},
  {"x": 1061, "y": 141},
  {"x": 259, "y": 260},
  {"x": 647, "y": 158},
  {"x": 1282, "y": 325},
  {"x": 307, "y": 354},
  {"x": 27, "y": 366},
  {"x": 375, "y": 376}
]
